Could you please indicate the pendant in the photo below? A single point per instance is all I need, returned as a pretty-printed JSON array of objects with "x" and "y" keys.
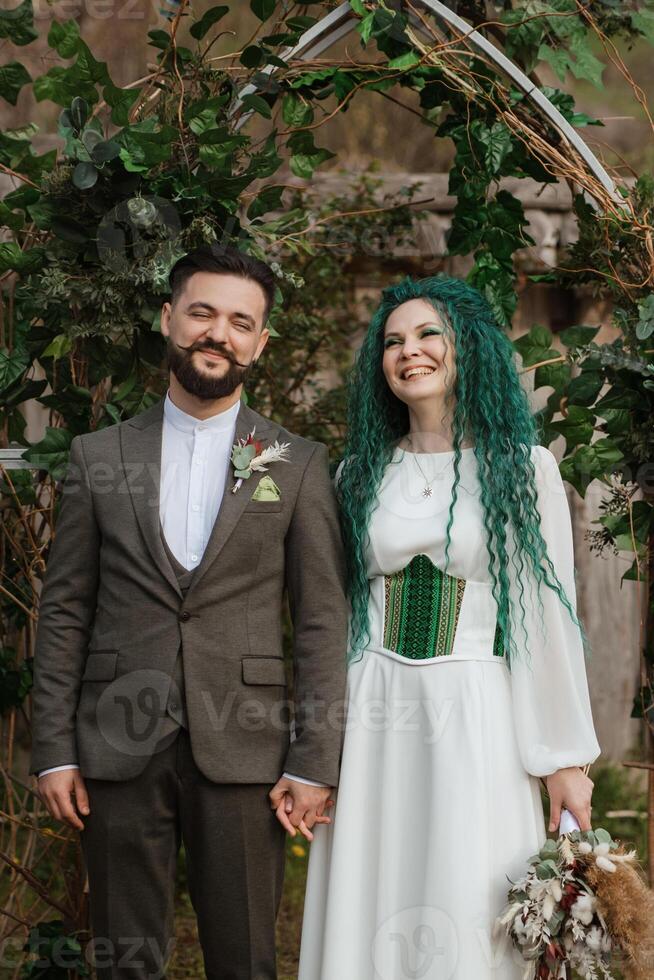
[{"x": 427, "y": 492}]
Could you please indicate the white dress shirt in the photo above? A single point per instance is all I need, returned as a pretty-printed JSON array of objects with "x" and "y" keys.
[{"x": 195, "y": 457}]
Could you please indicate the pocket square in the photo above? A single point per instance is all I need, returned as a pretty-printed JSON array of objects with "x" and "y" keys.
[{"x": 267, "y": 489}]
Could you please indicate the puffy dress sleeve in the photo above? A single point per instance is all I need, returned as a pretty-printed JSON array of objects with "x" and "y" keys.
[{"x": 551, "y": 702}]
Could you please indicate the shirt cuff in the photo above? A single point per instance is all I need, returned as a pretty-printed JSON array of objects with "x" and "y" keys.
[
  {"x": 309, "y": 782},
  {"x": 44, "y": 772}
]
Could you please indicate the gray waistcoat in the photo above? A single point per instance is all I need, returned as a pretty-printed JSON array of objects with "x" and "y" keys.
[{"x": 176, "y": 705}]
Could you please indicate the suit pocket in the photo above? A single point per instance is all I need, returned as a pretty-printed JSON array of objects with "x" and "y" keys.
[
  {"x": 264, "y": 507},
  {"x": 100, "y": 665},
  {"x": 264, "y": 670}
]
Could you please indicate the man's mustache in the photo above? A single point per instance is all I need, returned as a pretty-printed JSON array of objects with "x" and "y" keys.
[{"x": 217, "y": 348}]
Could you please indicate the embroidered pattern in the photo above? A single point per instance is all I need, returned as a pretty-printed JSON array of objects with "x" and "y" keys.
[
  {"x": 421, "y": 610},
  {"x": 498, "y": 641}
]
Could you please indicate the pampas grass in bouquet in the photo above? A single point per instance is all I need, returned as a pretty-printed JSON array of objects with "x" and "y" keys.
[{"x": 583, "y": 904}]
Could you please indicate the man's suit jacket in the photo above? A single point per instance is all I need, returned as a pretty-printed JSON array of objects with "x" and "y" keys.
[{"x": 112, "y": 616}]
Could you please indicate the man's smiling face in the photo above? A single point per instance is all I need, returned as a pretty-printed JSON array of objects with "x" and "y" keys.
[{"x": 215, "y": 333}]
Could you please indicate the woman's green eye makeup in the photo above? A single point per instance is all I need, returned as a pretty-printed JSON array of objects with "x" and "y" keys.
[{"x": 426, "y": 332}]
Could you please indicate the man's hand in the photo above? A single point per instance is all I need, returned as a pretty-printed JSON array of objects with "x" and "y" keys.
[
  {"x": 299, "y": 806},
  {"x": 573, "y": 789},
  {"x": 61, "y": 791}
]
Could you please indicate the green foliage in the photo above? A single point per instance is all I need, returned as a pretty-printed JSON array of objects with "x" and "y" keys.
[
  {"x": 15, "y": 680},
  {"x": 145, "y": 173},
  {"x": 57, "y": 954}
]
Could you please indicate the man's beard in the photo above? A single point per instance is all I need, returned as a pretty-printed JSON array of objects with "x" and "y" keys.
[{"x": 205, "y": 386}]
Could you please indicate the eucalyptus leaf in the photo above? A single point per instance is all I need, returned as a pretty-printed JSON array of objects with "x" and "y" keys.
[{"x": 85, "y": 175}]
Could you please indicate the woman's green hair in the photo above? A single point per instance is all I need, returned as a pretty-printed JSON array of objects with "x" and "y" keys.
[{"x": 487, "y": 405}]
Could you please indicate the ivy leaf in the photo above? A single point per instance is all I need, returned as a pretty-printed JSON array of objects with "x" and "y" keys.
[
  {"x": 643, "y": 22},
  {"x": 618, "y": 398},
  {"x": 578, "y": 336},
  {"x": 556, "y": 58},
  {"x": 13, "y": 258},
  {"x": 535, "y": 346},
  {"x": 585, "y": 65},
  {"x": 301, "y": 23},
  {"x": 10, "y": 219},
  {"x": 252, "y": 56},
  {"x": 64, "y": 37},
  {"x": 364, "y": 28},
  {"x": 407, "y": 60},
  {"x": 577, "y": 427},
  {"x": 266, "y": 162},
  {"x": 51, "y": 453},
  {"x": 306, "y": 156},
  {"x": 584, "y": 389},
  {"x": 295, "y": 111},
  {"x": 206, "y": 22},
  {"x": 12, "y": 78},
  {"x": 121, "y": 100},
  {"x": 58, "y": 347},
  {"x": 310, "y": 77},
  {"x": 160, "y": 39},
  {"x": 13, "y": 364},
  {"x": 645, "y": 325},
  {"x": 263, "y": 9},
  {"x": 270, "y": 199},
  {"x": 18, "y": 24},
  {"x": 257, "y": 104},
  {"x": 496, "y": 143},
  {"x": 552, "y": 375}
]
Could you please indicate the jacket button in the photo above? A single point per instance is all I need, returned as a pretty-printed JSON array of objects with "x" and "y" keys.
[{"x": 184, "y": 616}]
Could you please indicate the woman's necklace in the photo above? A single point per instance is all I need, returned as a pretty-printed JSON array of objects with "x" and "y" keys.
[{"x": 427, "y": 490}]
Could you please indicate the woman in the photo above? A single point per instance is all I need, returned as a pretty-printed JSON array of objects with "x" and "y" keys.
[{"x": 466, "y": 676}]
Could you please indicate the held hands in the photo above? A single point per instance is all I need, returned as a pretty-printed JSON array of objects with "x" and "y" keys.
[
  {"x": 299, "y": 806},
  {"x": 62, "y": 792},
  {"x": 573, "y": 789}
]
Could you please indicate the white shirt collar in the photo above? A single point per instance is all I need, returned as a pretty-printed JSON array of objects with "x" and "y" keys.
[{"x": 220, "y": 422}]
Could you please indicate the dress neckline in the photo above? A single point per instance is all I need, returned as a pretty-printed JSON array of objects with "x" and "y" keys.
[{"x": 443, "y": 452}]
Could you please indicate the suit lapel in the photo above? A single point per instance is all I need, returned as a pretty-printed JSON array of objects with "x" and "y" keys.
[
  {"x": 141, "y": 439},
  {"x": 233, "y": 504}
]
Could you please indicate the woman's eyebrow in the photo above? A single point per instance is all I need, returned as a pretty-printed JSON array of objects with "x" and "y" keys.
[{"x": 428, "y": 323}]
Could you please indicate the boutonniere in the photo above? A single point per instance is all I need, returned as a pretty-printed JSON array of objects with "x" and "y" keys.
[{"x": 249, "y": 456}]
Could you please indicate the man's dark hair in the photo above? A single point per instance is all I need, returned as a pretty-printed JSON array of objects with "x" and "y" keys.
[{"x": 215, "y": 257}]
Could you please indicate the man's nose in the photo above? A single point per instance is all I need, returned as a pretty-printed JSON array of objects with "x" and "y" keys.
[{"x": 218, "y": 331}]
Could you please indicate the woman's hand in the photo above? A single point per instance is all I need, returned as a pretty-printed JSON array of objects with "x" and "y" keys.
[{"x": 573, "y": 789}]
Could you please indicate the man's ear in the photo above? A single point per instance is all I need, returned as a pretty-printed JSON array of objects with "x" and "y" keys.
[
  {"x": 167, "y": 309},
  {"x": 263, "y": 340}
]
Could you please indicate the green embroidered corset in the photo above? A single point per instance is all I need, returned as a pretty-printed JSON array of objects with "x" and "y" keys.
[{"x": 421, "y": 611}]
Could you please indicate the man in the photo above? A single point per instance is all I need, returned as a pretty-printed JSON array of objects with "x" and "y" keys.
[{"x": 160, "y": 710}]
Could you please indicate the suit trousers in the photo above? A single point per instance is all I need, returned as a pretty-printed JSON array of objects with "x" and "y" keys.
[{"x": 234, "y": 847}]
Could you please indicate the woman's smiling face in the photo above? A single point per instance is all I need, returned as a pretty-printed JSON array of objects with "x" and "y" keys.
[{"x": 418, "y": 361}]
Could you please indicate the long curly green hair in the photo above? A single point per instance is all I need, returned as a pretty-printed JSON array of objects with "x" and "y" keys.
[{"x": 487, "y": 405}]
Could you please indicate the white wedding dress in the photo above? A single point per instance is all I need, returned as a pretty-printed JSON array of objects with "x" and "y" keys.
[{"x": 438, "y": 802}]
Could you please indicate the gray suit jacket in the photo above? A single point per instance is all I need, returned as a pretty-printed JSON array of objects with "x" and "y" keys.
[{"x": 112, "y": 616}]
